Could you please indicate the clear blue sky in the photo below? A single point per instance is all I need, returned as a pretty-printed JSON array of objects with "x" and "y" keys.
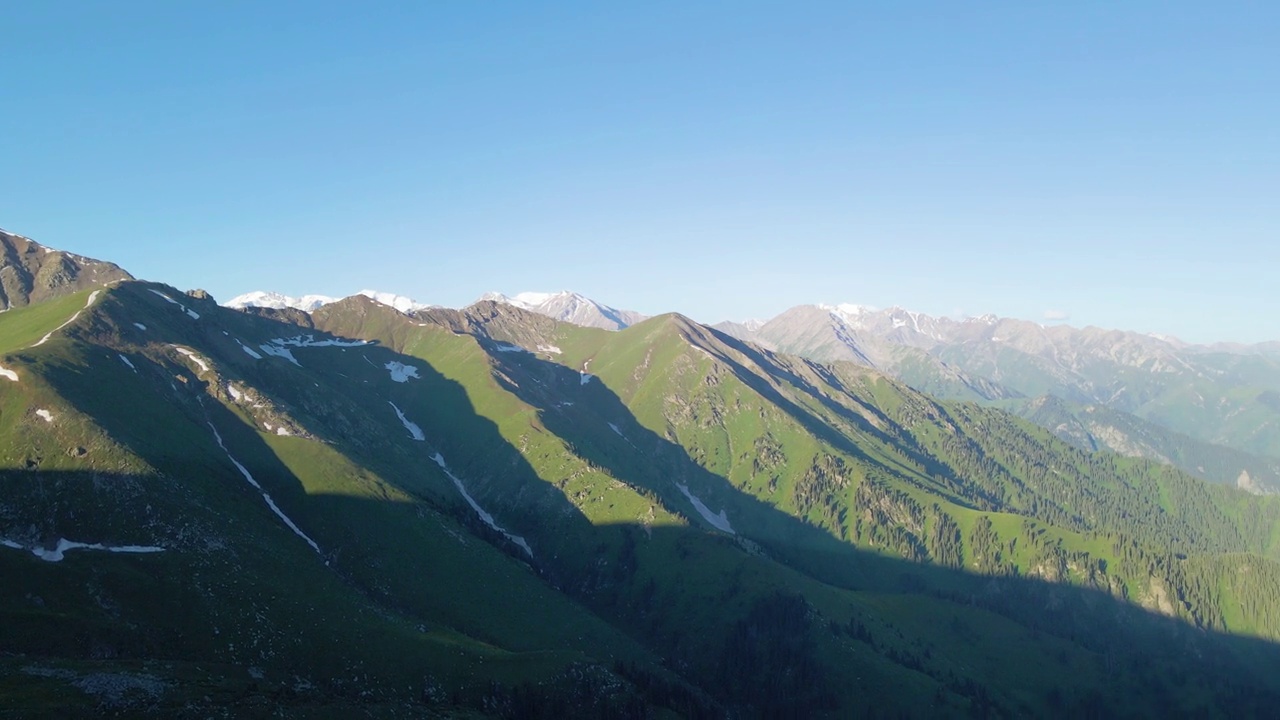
[{"x": 1116, "y": 162}]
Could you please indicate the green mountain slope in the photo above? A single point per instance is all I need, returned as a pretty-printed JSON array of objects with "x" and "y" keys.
[
  {"x": 133, "y": 455},
  {"x": 689, "y": 412},
  {"x": 488, "y": 511},
  {"x": 1097, "y": 427},
  {"x": 1217, "y": 398},
  {"x": 1210, "y": 411}
]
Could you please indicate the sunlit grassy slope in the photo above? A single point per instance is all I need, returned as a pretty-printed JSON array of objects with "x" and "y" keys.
[{"x": 517, "y": 517}]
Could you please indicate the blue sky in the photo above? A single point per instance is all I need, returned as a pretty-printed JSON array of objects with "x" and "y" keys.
[{"x": 1117, "y": 163}]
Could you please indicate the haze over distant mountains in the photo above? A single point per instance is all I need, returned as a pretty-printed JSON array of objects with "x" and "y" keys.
[{"x": 1161, "y": 391}]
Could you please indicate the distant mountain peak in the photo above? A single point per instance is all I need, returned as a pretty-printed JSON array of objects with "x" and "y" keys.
[
  {"x": 264, "y": 299},
  {"x": 568, "y": 306},
  {"x": 399, "y": 302},
  {"x": 311, "y": 303},
  {"x": 848, "y": 311}
]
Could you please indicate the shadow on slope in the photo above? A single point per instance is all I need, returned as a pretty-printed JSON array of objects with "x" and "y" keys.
[
  {"x": 761, "y": 636},
  {"x": 418, "y": 559},
  {"x": 1053, "y": 621}
]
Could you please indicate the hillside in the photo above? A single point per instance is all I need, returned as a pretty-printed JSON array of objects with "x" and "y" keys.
[
  {"x": 31, "y": 272},
  {"x": 1098, "y": 427},
  {"x": 489, "y": 511},
  {"x": 1221, "y": 395}
]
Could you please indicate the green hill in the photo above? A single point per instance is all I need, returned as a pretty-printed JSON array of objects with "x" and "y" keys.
[{"x": 360, "y": 511}]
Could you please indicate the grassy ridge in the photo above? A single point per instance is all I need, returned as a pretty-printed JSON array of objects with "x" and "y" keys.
[{"x": 888, "y": 553}]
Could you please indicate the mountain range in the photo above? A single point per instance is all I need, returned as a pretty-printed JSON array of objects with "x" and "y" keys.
[
  {"x": 1220, "y": 396},
  {"x": 1162, "y": 395},
  {"x": 359, "y": 510},
  {"x": 311, "y": 303},
  {"x": 564, "y": 306},
  {"x": 570, "y": 307}
]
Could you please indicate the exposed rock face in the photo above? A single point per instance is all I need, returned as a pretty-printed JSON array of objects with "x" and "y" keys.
[
  {"x": 30, "y": 272},
  {"x": 1159, "y": 599}
]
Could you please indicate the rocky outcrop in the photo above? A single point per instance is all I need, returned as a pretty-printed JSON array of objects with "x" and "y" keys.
[{"x": 31, "y": 272}]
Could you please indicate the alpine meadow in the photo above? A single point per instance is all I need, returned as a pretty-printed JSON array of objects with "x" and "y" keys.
[{"x": 491, "y": 512}]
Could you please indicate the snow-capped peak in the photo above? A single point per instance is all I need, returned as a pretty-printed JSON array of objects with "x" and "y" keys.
[
  {"x": 532, "y": 299},
  {"x": 848, "y": 309},
  {"x": 527, "y": 300},
  {"x": 311, "y": 303},
  {"x": 399, "y": 302},
  {"x": 264, "y": 299},
  {"x": 570, "y": 307},
  {"x": 848, "y": 313}
]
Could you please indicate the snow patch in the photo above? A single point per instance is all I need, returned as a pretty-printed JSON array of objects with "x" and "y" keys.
[
  {"x": 128, "y": 362},
  {"x": 399, "y": 302},
  {"x": 618, "y": 430},
  {"x": 140, "y": 326},
  {"x": 529, "y": 300},
  {"x": 549, "y": 349},
  {"x": 508, "y": 348},
  {"x": 414, "y": 430},
  {"x": 281, "y": 431},
  {"x": 719, "y": 521},
  {"x": 249, "y": 351},
  {"x": 311, "y": 341},
  {"x": 9, "y": 374},
  {"x": 58, "y": 552},
  {"x": 192, "y": 313},
  {"x": 401, "y": 372},
  {"x": 234, "y": 392},
  {"x": 486, "y": 517},
  {"x": 204, "y": 367},
  {"x": 92, "y": 297},
  {"x": 848, "y": 313},
  {"x": 45, "y": 415},
  {"x": 584, "y": 378},
  {"x": 280, "y": 352},
  {"x": 265, "y": 496}
]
